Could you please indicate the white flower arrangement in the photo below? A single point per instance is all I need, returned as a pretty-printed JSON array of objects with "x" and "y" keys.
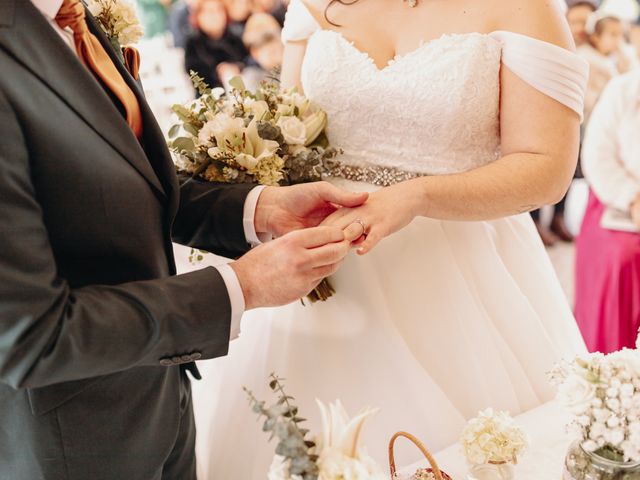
[
  {"x": 336, "y": 454},
  {"x": 493, "y": 437},
  {"x": 119, "y": 20},
  {"x": 603, "y": 394}
]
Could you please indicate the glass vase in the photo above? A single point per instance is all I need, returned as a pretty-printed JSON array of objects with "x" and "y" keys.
[
  {"x": 582, "y": 465},
  {"x": 492, "y": 471}
]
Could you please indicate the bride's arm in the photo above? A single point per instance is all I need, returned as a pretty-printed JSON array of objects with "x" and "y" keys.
[
  {"x": 539, "y": 139},
  {"x": 292, "y": 64},
  {"x": 539, "y": 145}
]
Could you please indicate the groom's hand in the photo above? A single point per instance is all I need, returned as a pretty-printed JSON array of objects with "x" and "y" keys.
[
  {"x": 281, "y": 210},
  {"x": 288, "y": 268}
]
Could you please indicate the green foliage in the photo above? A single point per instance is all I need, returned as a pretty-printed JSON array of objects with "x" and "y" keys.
[
  {"x": 199, "y": 83},
  {"x": 282, "y": 422}
]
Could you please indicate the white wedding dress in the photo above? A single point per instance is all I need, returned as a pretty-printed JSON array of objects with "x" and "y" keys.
[{"x": 443, "y": 318}]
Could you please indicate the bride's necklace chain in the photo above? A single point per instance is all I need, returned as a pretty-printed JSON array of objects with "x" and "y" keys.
[{"x": 412, "y": 3}]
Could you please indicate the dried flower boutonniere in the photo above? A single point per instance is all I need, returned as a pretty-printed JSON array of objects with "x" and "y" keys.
[{"x": 119, "y": 20}]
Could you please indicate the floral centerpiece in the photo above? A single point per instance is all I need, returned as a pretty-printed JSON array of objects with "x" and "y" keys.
[
  {"x": 335, "y": 454},
  {"x": 272, "y": 136},
  {"x": 603, "y": 394},
  {"x": 492, "y": 443}
]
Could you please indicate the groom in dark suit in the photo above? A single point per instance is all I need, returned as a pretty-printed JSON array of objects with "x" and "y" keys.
[{"x": 96, "y": 330}]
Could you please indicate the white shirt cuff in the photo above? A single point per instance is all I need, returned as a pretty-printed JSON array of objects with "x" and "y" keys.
[
  {"x": 249, "y": 215},
  {"x": 236, "y": 296}
]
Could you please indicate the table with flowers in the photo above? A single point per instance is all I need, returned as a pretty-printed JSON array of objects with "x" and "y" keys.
[{"x": 543, "y": 460}]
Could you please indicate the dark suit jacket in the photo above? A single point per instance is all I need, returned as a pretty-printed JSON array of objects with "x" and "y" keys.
[{"x": 94, "y": 324}]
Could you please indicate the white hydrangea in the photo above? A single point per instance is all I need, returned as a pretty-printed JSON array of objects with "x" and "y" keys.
[
  {"x": 493, "y": 437},
  {"x": 603, "y": 392}
]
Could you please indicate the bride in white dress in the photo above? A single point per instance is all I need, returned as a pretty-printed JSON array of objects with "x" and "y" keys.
[{"x": 458, "y": 308}]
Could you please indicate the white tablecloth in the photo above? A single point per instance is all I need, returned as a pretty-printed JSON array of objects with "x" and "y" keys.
[{"x": 549, "y": 442}]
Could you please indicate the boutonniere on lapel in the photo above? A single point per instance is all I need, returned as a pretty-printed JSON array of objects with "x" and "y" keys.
[{"x": 119, "y": 20}]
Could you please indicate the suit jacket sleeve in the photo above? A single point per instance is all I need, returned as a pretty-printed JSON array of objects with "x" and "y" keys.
[
  {"x": 210, "y": 216},
  {"x": 52, "y": 333}
]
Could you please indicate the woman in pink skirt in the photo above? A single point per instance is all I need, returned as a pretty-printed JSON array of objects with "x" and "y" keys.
[{"x": 608, "y": 247}]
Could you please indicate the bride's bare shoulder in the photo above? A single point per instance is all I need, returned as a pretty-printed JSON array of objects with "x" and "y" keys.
[{"x": 541, "y": 19}]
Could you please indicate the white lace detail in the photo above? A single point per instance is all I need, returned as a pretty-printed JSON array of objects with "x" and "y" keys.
[{"x": 434, "y": 110}]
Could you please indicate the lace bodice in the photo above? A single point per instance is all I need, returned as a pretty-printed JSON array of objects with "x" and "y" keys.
[{"x": 434, "y": 110}]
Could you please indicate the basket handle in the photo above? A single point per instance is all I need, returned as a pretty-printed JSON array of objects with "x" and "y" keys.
[{"x": 420, "y": 445}]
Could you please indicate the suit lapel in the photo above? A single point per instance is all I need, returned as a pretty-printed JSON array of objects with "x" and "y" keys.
[
  {"x": 27, "y": 36},
  {"x": 153, "y": 138}
]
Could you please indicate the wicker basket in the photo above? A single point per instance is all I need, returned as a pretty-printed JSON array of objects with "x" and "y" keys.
[{"x": 435, "y": 470}]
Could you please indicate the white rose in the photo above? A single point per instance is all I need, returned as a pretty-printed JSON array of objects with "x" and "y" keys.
[
  {"x": 293, "y": 130},
  {"x": 224, "y": 128},
  {"x": 576, "y": 393}
]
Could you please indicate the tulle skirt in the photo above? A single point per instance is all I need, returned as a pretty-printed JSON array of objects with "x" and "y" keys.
[{"x": 441, "y": 320}]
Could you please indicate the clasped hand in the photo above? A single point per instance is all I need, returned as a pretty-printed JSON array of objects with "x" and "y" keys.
[{"x": 315, "y": 226}]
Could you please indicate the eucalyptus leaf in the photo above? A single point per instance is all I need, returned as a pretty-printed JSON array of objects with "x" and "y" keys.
[
  {"x": 191, "y": 128},
  {"x": 173, "y": 131},
  {"x": 237, "y": 83},
  {"x": 183, "y": 144}
]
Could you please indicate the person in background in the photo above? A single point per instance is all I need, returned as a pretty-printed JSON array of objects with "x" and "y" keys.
[
  {"x": 238, "y": 12},
  {"x": 277, "y": 8},
  {"x": 154, "y": 16},
  {"x": 607, "y": 260},
  {"x": 262, "y": 39},
  {"x": 607, "y": 54},
  {"x": 578, "y": 13},
  {"x": 213, "y": 51},
  {"x": 181, "y": 24}
]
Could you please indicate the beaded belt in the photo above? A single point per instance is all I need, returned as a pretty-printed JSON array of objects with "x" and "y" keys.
[{"x": 375, "y": 175}]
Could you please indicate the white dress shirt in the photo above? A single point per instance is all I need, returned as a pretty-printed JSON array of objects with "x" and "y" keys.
[
  {"x": 611, "y": 148},
  {"x": 50, "y": 8}
]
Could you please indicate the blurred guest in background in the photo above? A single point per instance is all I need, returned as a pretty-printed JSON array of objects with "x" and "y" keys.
[
  {"x": 238, "y": 12},
  {"x": 607, "y": 54},
  {"x": 578, "y": 13},
  {"x": 213, "y": 51},
  {"x": 181, "y": 21},
  {"x": 154, "y": 16},
  {"x": 277, "y": 8},
  {"x": 608, "y": 255},
  {"x": 262, "y": 39}
]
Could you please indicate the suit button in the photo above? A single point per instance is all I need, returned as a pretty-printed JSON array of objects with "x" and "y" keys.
[
  {"x": 176, "y": 360},
  {"x": 196, "y": 356},
  {"x": 166, "y": 362},
  {"x": 186, "y": 358}
]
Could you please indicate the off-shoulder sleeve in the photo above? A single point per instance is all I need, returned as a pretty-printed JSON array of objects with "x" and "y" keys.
[
  {"x": 299, "y": 24},
  {"x": 554, "y": 71}
]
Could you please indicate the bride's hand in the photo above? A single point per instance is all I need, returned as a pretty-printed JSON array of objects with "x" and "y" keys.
[{"x": 387, "y": 211}]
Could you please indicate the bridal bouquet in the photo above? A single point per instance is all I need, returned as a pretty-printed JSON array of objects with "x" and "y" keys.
[
  {"x": 270, "y": 137},
  {"x": 334, "y": 455},
  {"x": 603, "y": 393}
]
